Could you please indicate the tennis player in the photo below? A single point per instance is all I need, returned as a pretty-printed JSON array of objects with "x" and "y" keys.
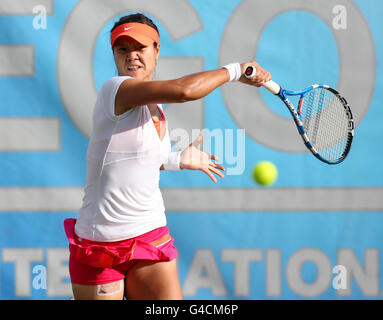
[{"x": 119, "y": 244}]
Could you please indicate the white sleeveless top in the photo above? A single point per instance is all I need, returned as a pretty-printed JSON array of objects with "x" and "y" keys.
[{"x": 122, "y": 198}]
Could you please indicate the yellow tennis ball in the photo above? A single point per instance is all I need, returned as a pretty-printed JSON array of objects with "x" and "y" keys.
[{"x": 265, "y": 173}]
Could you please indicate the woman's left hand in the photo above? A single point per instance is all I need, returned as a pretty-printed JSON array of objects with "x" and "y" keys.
[{"x": 194, "y": 159}]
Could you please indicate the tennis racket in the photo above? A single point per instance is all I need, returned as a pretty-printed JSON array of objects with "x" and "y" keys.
[{"x": 323, "y": 118}]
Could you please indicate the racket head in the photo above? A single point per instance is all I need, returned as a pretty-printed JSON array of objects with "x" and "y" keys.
[{"x": 325, "y": 122}]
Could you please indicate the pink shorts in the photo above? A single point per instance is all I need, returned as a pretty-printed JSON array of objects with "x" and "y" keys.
[{"x": 94, "y": 262}]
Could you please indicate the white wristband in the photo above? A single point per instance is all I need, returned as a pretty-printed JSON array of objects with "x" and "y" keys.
[
  {"x": 173, "y": 162},
  {"x": 234, "y": 70}
]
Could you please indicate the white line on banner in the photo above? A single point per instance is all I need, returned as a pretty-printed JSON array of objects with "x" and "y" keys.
[{"x": 209, "y": 200}]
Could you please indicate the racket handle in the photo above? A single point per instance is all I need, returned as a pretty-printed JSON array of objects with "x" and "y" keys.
[{"x": 272, "y": 86}]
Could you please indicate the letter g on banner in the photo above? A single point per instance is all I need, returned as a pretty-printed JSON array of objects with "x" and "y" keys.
[
  {"x": 357, "y": 66},
  {"x": 76, "y": 49}
]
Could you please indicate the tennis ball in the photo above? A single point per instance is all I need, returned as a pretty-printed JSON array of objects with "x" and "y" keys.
[{"x": 265, "y": 173}]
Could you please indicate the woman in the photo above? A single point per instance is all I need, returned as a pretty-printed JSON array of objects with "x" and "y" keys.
[{"x": 119, "y": 244}]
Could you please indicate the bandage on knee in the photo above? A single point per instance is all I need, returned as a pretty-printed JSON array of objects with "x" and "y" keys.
[{"x": 108, "y": 289}]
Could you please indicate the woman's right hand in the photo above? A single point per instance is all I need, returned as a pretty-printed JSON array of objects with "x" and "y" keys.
[{"x": 261, "y": 76}]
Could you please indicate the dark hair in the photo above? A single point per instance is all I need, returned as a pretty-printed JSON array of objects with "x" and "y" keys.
[{"x": 136, "y": 17}]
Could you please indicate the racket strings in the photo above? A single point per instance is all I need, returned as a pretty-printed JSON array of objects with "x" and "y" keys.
[{"x": 326, "y": 122}]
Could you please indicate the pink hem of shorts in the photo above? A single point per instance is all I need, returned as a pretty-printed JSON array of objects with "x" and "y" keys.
[{"x": 93, "y": 262}]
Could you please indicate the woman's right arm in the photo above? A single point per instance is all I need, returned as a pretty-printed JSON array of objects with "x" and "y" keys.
[{"x": 133, "y": 92}]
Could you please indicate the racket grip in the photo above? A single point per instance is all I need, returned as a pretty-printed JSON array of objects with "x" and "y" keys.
[{"x": 272, "y": 86}]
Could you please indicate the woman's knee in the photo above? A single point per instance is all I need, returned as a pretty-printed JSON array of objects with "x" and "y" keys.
[{"x": 153, "y": 280}]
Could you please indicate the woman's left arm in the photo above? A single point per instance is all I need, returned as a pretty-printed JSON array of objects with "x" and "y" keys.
[{"x": 194, "y": 159}]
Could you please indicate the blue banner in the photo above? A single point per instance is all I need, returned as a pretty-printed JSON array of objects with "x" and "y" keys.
[{"x": 316, "y": 233}]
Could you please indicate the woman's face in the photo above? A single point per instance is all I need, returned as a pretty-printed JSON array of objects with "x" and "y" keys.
[{"x": 134, "y": 59}]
